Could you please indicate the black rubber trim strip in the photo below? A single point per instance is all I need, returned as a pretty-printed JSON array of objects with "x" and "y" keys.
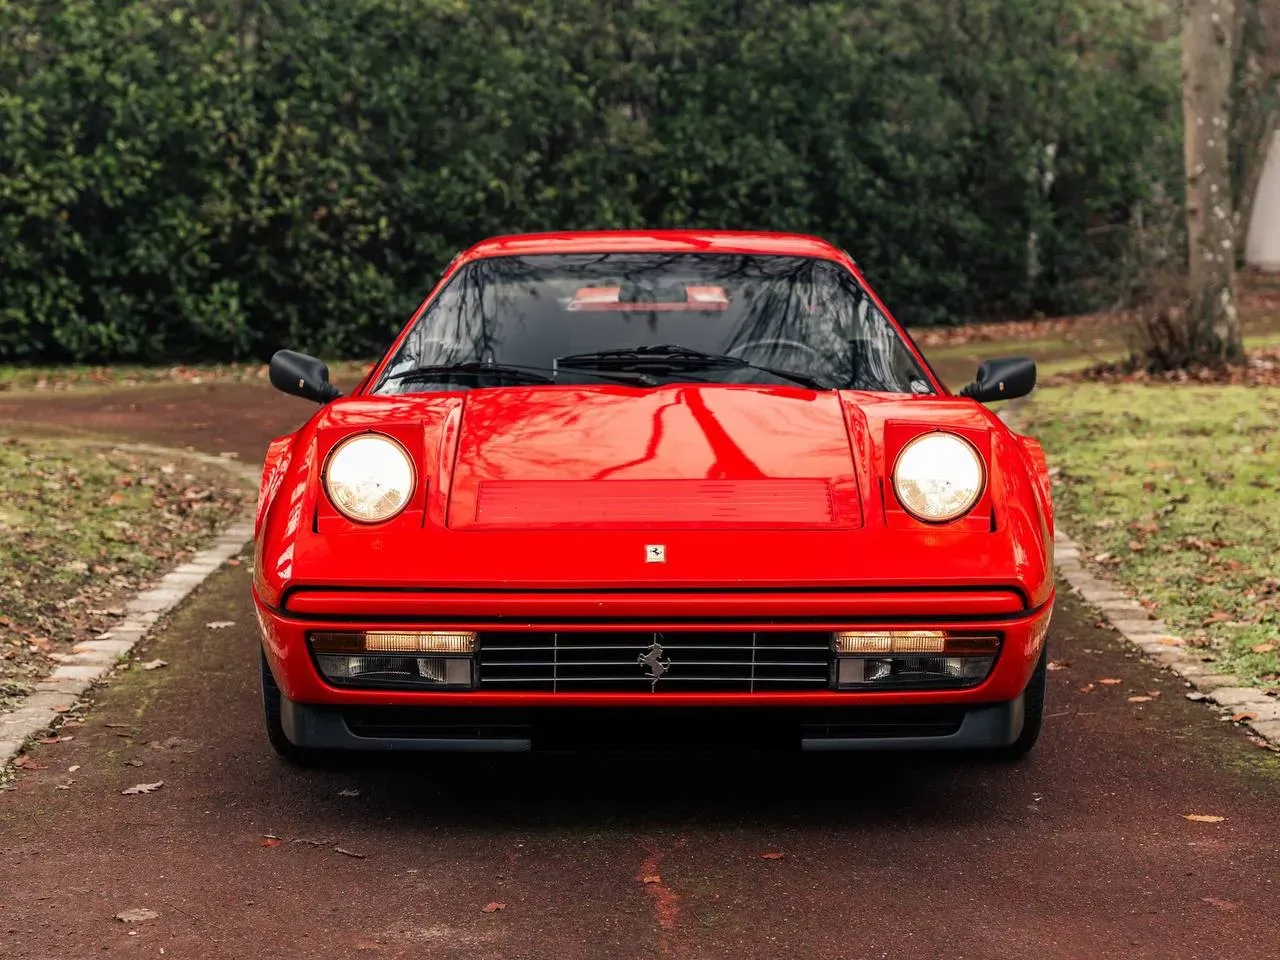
[
  {"x": 291, "y": 592},
  {"x": 491, "y": 622},
  {"x": 983, "y": 727}
]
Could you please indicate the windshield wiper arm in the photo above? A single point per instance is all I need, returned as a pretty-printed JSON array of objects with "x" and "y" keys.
[
  {"x": 670, "y": 356},
  {"x": 515, "y": 371}
]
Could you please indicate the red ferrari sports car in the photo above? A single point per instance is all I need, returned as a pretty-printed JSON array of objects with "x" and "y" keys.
[{"x": 701, "y": 480}]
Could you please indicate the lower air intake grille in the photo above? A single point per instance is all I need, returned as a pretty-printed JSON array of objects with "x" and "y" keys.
[{"x": 670, "y": 662}]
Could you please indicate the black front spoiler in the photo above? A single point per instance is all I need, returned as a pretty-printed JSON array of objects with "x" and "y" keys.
[{"x": 988, "y": 726}]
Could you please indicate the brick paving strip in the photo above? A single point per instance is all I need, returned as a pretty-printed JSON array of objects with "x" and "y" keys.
[
  {"x": 1153, "y": 637},
  {"x": 91, "y": 660}
]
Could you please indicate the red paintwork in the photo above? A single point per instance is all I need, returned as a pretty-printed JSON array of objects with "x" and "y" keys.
[{"x": 528, "y": 490}]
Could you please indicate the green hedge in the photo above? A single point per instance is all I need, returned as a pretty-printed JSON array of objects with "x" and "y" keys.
[{"x": 211, "y": 179}]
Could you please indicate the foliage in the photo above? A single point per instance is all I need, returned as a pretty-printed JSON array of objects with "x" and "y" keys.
[
  {"x": 212, "y": 179},
  {"x": 1174, "y": 490}
]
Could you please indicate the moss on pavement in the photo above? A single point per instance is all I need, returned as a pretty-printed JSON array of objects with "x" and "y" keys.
[
  {"x": 1175, "y": 492},
  {"x": 81, "y": 529}
]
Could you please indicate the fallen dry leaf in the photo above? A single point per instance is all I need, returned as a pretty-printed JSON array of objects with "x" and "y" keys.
[
  {"x": 772, "y": 856},
  {"x": 269, "y": 842},
  {"x": 173, "y": 743},
  {"x": 155, "y": 664},
  {"x": 493, "y": 907},
  {"x": 1058, "y": 664},
  {"x": 1110, "y": 681},
  {"x": 142, "y": 788},
  {"x": 1203, "y": 817},
  {"x": 136, "y": 915},
  {"x": 1263, "y": 647},
  {"x": 1087, "y": 688},
  {"x": 1139, "y": 699},
  {"x": 651, "y": 878},
  {"x": 1244, "y": 715}
]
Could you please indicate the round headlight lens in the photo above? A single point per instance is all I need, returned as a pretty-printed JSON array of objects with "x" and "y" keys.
[
  {"x": 938, "y": 477},
  {"x": 369, "y": 478}
]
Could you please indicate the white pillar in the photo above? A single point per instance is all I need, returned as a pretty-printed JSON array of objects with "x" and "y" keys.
[{"x": 1262, "y": 246}]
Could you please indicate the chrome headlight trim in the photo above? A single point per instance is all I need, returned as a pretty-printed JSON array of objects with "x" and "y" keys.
[
  {"x": 403, "y": 486},
  {"x": 975, "y": 485}
]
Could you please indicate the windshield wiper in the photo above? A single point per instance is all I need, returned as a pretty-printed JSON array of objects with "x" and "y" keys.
[
  {"x": 521, "y": 373},
  {"x": 670, "y": 356}
]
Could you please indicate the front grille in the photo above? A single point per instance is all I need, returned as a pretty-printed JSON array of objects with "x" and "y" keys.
[{"x": 668, "y": 661}]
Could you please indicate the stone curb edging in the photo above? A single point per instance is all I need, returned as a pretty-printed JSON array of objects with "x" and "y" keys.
[
  {"x": 1152, "y": 636},
  {"x": 91, "y": 660}
]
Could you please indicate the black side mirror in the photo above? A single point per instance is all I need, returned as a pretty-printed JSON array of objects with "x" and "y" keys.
[
  {"x": 1003, "y": 379},
  {"x": 302, "y": 376}
]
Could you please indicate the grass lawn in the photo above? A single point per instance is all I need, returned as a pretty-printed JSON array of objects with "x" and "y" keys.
[
  {"x": 957, "y": 363},
  {"x": 1175, "y": 491},
  {"x": 83, "y": 528}
]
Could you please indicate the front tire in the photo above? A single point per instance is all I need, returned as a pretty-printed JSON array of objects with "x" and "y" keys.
[
  {"x": 1032, "y": 713},
  {"x": 280, "y": 742}
]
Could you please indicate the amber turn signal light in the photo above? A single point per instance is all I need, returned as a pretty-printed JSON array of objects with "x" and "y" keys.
[
  {"x": 396, "y": 641},
  {"x": 864, "y": 642}
]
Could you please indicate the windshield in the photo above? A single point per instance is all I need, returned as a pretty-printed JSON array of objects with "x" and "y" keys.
[{"x": 785, "y": 314}]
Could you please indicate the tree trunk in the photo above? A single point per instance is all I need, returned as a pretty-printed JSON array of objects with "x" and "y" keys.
[
  {"x": 1257, "y": 101},
  {"x": 1214, "y": 332}
]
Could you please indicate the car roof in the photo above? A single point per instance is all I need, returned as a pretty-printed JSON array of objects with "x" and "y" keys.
[{"x": 656, "y": 241}]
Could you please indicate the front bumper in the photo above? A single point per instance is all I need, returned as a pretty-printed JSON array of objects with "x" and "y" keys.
[{"x": 317, "y": 713}]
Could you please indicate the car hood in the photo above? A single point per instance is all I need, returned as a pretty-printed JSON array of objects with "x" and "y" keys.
[
  {"x": 681, "y": 456},
  {"x": 569, "y": 487}
]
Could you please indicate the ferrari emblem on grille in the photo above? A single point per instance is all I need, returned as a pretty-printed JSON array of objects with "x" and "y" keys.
[
  {"x": 655, "y": 661},
  {"x": 655, "y": 553}
]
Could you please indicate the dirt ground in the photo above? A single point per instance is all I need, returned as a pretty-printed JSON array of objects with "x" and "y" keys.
[{"x": 1083, "y": 851}]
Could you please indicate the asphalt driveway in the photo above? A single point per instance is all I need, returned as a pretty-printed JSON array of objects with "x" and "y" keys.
[{"x": 1083, "y": 851}]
